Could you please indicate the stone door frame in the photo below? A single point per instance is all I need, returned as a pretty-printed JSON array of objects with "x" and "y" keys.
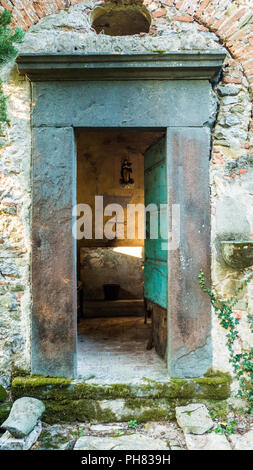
[{"x": 171, "y": 91}]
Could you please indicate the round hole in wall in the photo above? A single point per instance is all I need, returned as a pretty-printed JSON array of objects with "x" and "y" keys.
[{"x": 121, "y": 20}]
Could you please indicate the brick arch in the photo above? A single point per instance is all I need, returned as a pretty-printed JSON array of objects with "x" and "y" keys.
[{"x": 231, "y": 21}]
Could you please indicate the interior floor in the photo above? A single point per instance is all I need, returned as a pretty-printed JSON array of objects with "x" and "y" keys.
[{"x": 113, "y": 350}]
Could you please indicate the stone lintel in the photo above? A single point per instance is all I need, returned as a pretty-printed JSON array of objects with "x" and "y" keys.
[{"x": 78, "y": 66}]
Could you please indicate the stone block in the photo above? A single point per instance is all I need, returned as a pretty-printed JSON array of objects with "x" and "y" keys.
[
  {"x": 54, "y": 194},
  {"x": 130, "y": 442},
  {"x": 142, "y": 103},
  {"x": 242, "y": 442},
  {"x": 190, "y": 353},
  {"x": 207, "y": 442},
  {"x": 8, "y": 442},
  {"x": 228, "y": 90},
  {"x": 24, "y": 416},
  {"x": 231, "y": 218},
  {"x": 194, "y": 418}
]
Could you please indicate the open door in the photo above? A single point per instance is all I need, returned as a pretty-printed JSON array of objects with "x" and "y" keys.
[{"x": 155, "y": 262}]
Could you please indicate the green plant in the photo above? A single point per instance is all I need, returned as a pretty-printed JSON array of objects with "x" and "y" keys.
[
  {"x": 132, "y": 424},
  {"x": 8, "y": 52},
  {"x": 226, "y": 428},
  {"x": 242, "y": 363}
]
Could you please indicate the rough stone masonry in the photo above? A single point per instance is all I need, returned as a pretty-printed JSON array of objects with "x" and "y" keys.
[{"x": 65, "y": 26}]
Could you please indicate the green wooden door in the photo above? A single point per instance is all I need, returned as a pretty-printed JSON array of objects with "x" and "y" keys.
[{"x": 155, "y": 264}]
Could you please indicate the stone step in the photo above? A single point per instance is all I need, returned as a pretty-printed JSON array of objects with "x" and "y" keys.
[{"x": 69, "y": 400}]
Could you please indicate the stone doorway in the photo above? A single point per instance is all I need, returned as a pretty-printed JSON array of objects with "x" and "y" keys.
[
  {"x": 116, "y": 337},
  {"x": 171, "y": 91}
]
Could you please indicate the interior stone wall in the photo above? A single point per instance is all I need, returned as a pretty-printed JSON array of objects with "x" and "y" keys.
[
  {"x": 231, "y": 167},
  {"x": 101, "y": 266}
]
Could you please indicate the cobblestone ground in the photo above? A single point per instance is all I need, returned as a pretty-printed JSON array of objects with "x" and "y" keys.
[{"x": 148, "y": 436}]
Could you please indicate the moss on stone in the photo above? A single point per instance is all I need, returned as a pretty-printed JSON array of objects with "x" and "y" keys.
[
  {"x": 155, "y": 409},
  {"x": 77, "y": 410},
  {"x": 38, "y": 386},
  {"x": 5, "y": 409},
  {"x": 154, "y": 415},
  {"x": 218, "y": 373},
  {"x": 69, "y": 411},
  {"x": 60, "y": 388},
  {"x": 141, "y": 409},
  {"x": 216, "y": 390},
  {"x": 181, "y": 388},
  {"x": 105, "y": 415},
  {"x": 217, "y": 409},
  {"x": 67, "y": 400},
  {"x": 147, "y": 409},
  {"x": 166, "y": 408},
  {"x": 214, "y": 385},
  {"x": 19, "y": 372},
  {"x": 47, "y": 442},
  {"x": 3, "y": 394},
  {"x": 106, "y": 392}
]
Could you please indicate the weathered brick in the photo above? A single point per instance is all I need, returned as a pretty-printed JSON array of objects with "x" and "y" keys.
[
  {"x": 167, "y": 2},
  {"x": 231, "y": 21},
  {"x": 183, "y": 18},
  {"x": 38, "y": 10},
  {"x": 18, "y": 19},
  {"x": 27, "y": 18},
  {"x": 245, "y": 145},
  {"x": 29, "y": 8},
  {"x": 218, "y": 159},
  {"x": 159, "y": 12},
  {"x": 200, "y": 27},
  {"x": 229, "y": 79},
  {"x": 60, "y": 4},
  {"x": 179, "y": 3},
  {"x": 202, "y": 6},
  {"x": 240, "y": 34},
  {"x": 7, "y": 5},
  {"x": 216, "y": 25},
  {"x": 159, "y": 21}
]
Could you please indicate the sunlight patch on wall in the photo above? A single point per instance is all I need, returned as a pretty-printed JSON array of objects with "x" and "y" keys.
[{"x": 136, "y": 251}]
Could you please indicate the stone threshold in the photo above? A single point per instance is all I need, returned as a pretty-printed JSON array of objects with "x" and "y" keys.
[{"x": 69, "y": 400}]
